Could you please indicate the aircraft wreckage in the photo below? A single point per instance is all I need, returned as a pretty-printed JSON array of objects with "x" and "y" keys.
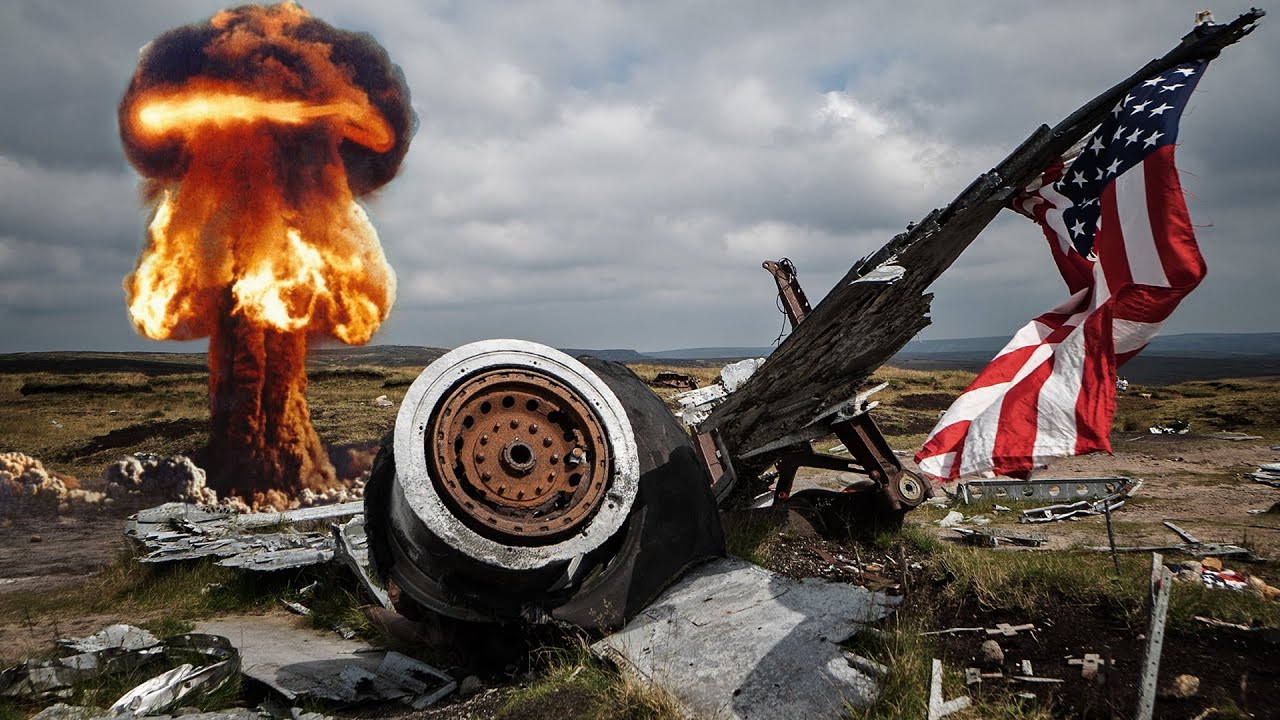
[{"x": 523, "y": 484}]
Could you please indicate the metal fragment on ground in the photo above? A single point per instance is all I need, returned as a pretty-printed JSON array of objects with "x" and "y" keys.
[
  {"x": 121, "y": 637},
  {"x": 994, "y": 537},
  {"x": 1040, "y": 490},
  {"x": 298, "y": 662},
  {"x": 174, "y": 688},
  {"x": 180, "y": 531},
  {"x": 1161, "y": 583},
  {"x": 352, "y": 547},
  {"x": 118, "y": 650},
  {"x": 938, "y": 708},
  {"x": 1054, "y": 513},
  {"x": 732, "y": 639}
]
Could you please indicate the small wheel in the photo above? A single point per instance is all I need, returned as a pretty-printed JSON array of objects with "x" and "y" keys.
[{"x": 907, "y": 490}]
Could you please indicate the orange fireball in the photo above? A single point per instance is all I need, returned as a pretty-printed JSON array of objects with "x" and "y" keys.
[{"x": 257, "y": 131}]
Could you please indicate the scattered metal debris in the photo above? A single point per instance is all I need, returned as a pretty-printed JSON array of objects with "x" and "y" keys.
[
  {"x": 1267, "y": 474},
  {"x": 867, "y": 665},
  {"x": 677, "y": 380},
  {"x": 953, "y": 631},
  {"x": 1041, "y": 490},
  {"x": 992, "y": 537},
  {"x": 1008, "y": 630},
  {"x": 1191, "y": 546},
  {"x": 180, "y": 531},
  {"x": 182, "y": 684},
  {"x": 938, "y": 708},
  {"x": 1158, "y": 605},
  {"x": 297, "y": 608},
  {"x": 1054, "y": 513},
  {"x": 1173, "y": 427},
  {"x": 113, "y": 637},
  {"x": 732, "y": 639},
  {"x": 299, "y": 663},
  {"x": 1089, "y": 665},
  {"x": 974, "y": 676},
  {"x": 123, "y": 649},
  {"x": 697, "y": 403},
  {"x": 352, "y": 547},
  {"x": 1233, "y": 437}
]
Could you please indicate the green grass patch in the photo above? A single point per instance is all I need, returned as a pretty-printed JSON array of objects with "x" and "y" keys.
[
  {"x": 573, "y": 684},
  {"x": 164, "y": 598},
  {"x": 748, "y": 534},
  {"x": 904, "y": 691}
]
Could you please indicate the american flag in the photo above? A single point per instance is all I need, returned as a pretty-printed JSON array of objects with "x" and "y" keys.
[{"x": 1121, "y": 237}]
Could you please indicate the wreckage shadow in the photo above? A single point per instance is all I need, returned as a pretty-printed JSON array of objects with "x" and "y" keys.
[
  {"x": 674, "y": 527},
  {"x": 805, "y": 673}
]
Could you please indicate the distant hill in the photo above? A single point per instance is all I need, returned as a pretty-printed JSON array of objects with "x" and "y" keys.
[
  {"x": 1169, "y": 359},
  {"x": 710, "y": 353},
  {"x": 1208, "y": 345},
  {"x": 617, "y": 355}
]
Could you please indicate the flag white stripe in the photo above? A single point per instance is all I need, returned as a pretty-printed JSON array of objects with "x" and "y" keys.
[
  {"x": 1132, "y": 335},
  {"x": 1056, "y": 406},
  {"x": 1145, "y": 267},
  {"x": 980, "y": 443},
  {"x": 938, "y": 465}
]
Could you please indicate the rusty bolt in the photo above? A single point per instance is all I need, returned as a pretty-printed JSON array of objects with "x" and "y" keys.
[
  {"x": 515, "y": 424},
  {"x": 484, "y": 439},
  {"x": 546, "y": 442},
  {"x": 533, "y": 428}
]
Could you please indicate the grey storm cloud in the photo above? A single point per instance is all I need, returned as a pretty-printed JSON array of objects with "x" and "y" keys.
[{"x": 611, "y": 174}]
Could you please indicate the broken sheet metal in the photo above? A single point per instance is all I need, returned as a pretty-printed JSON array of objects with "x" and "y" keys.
[
  {"x": 118, "y": 649},
  {"x": 352, "y": 547},
  {"x": 122, "y": 649},
  {"x": 733, "y": 640},
  {"x": 1267, "y": 475},
  {"x": 113, "y": 637},
  {"x": 994, "y": 537},
  {"x": 1054, "y": 513},
  {"x": 1039, "y": 490},
  {"x": 180, "y": 531},
  {"x": 300, "y": 663},
  {"x": 1191, "y": 546},
  {"x": 183, "y": 684},
  {"x": 696, "y": 405}
]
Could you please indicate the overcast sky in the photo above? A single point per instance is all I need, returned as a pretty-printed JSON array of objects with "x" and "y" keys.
[{"x": 611, "y": 174}]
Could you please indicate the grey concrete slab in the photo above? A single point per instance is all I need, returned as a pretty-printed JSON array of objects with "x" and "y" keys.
[{"x": 733, "y": 640}]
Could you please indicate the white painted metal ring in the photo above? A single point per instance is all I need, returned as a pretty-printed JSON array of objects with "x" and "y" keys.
[{"x": 412, "y": 468}]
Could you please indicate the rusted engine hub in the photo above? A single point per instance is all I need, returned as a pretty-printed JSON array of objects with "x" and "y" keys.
[
  {"x": 521, "y": 484},
  {"x": 505, "y": 443},
  {"x": 519, "y": 456}
]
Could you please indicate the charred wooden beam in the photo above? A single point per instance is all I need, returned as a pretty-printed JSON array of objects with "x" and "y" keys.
[{"x": 881, "y": 303}]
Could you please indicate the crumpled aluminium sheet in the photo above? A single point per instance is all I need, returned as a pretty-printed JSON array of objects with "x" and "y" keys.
[{"x": 181, "y": 531}]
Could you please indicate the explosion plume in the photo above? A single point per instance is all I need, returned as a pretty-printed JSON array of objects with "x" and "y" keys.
[{"x": 256, "y": 132}]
